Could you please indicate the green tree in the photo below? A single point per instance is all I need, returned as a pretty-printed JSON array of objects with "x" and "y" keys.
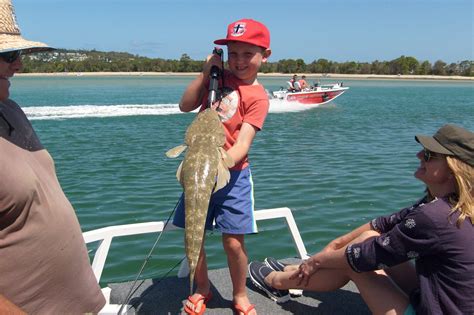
[
  {"x": 425, "y": 68},
  {"x": 439, "y": 68}
]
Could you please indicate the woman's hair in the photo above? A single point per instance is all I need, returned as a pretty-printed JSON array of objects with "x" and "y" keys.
[{"x": 464, "y": 199}]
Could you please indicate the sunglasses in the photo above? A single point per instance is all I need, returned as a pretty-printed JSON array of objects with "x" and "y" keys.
[
  {"x": 11, "y": 56},
  {"x": 428, "y": 155}
]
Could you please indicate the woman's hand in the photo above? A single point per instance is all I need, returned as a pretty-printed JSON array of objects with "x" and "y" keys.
[{"x": 306, "y": 270}]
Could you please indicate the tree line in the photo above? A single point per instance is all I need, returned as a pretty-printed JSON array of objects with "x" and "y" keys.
[{"x": 97, "y": 61}]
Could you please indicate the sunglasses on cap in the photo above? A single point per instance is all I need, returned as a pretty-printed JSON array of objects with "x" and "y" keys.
[
  {"x": 11, "y": 56},
  {"x": 428, "y": 155}
]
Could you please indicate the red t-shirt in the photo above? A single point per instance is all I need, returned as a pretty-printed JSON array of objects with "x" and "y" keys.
[{"x": 242, "y": 103}]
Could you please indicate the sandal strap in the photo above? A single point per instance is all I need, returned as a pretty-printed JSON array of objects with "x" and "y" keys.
[
  {"x": 240, "y": 309},
  {"x": 195, "y": 300}
]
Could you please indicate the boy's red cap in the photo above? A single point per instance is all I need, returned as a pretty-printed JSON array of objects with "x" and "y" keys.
[{"x": 247, "y": 31}]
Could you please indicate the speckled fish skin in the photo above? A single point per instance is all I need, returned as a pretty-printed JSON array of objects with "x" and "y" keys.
[{"x": 198, "y": 171}]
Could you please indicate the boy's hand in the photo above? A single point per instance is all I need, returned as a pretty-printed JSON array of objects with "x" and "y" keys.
[{"x": 211, "y": 60}]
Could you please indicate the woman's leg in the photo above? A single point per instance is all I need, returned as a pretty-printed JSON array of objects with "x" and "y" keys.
[
  {"x": 404, "y": 275},
  {"x": 380, "y": 293},
  {"x": 322, "y": 281},
  {"x": 378, "y": 290}
]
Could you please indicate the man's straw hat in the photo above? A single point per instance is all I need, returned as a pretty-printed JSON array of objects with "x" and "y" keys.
[{"x": 10, "y": 36}]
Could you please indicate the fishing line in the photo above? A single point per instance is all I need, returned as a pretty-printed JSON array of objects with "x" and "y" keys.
[
  {"x": 157, "y": 282},
  {"x": 147, "y": 258}
]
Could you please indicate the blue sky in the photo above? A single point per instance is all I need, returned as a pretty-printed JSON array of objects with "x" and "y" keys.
[{"x": 338, "y": 30}]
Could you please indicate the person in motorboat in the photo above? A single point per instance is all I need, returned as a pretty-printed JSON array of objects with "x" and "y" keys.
[
  {"x": 246, "y": 108},
  {"x": 293, "y": 85},
  {"x": 303, "y": 84},
  {"x": 417, "y": 260},
  {"x": 45, "y": 266}
]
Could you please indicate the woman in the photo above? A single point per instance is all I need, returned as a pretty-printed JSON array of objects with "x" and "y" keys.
[
  {"x": 436, "y": 233},
  {"x": 44, "y": 265}
]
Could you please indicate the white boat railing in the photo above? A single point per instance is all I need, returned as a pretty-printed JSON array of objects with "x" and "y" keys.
[{"x": 105, "y": 235}]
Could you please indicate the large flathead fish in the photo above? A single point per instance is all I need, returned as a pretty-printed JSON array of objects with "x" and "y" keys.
[{"x": 204, "y": 170}]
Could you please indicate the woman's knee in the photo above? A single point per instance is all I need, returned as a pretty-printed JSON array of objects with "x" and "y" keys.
[{"x": 365, "y": 235}]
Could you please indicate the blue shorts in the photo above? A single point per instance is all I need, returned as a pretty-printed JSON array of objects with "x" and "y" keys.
[{"x": 231, "y": 207}]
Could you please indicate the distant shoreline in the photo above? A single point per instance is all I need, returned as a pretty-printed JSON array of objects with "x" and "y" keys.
[{"x": 309, "y": 75}]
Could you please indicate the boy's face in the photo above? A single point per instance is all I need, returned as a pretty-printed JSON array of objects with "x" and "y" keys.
[{"x": 245, "y": 60}]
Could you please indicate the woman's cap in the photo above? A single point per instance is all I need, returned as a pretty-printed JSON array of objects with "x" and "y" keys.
[
  {"x": 451, "y": 140},
  {"x": 10, "y": 36},
  {"x": 247, "y": 31}
]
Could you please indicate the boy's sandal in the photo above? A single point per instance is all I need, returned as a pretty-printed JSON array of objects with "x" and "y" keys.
[
  {"x": 239, "y": 309},
  {"x": 195, "y": 301}
]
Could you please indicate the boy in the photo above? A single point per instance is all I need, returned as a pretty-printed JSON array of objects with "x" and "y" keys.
[{"x": 242, "y": 110}]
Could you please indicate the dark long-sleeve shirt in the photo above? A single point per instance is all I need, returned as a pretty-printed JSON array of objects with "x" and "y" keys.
[{"x": 443, "y": 252}]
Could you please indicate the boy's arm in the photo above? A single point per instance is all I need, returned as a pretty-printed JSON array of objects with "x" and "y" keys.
[
  {"x": 243, "y": 143},
  {"x": 194, "y": 93}
]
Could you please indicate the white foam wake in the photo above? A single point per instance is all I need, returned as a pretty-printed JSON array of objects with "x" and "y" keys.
[
  {"x": 281, "y": 106},
  {"x": 87, "y": 111}
]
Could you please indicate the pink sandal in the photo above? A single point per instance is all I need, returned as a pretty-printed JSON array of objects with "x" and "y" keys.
[
  {"x": 239, "y": 309},
  {"x": 195, "y": 301}
]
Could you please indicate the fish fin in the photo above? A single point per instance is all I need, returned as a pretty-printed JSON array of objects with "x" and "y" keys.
[
  {"x": 176, "y": 151},
  {"x": 223, "y": 176},
  {"x": 178, "y": 173},
  {"x": 228, "y": 160}
]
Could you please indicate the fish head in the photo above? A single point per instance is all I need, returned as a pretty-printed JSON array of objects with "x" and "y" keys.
[{"x": 207, "y": 126}]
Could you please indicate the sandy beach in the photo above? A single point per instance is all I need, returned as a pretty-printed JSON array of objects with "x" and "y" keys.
[{"x": 309, "y": 75}]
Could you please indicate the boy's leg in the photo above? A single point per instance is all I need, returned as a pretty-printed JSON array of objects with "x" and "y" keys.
[
  {"x": 235, "y": 218},
  {"x": 237, "y": 261},
  {"x": 201, "y": 279}
]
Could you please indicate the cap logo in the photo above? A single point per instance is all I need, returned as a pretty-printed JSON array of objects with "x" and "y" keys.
[{"x": 239, "y": 29}]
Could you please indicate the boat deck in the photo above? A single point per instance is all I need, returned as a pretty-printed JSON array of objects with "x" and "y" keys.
[{"x": 168, "y": 297}]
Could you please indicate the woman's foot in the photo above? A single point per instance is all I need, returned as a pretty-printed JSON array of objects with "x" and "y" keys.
[{"x": 258, "y": 272}]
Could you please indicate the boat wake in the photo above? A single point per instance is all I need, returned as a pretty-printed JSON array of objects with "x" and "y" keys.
[
  {"x": 89, "y": 111},
  {"x": 283, "y": 106}
]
